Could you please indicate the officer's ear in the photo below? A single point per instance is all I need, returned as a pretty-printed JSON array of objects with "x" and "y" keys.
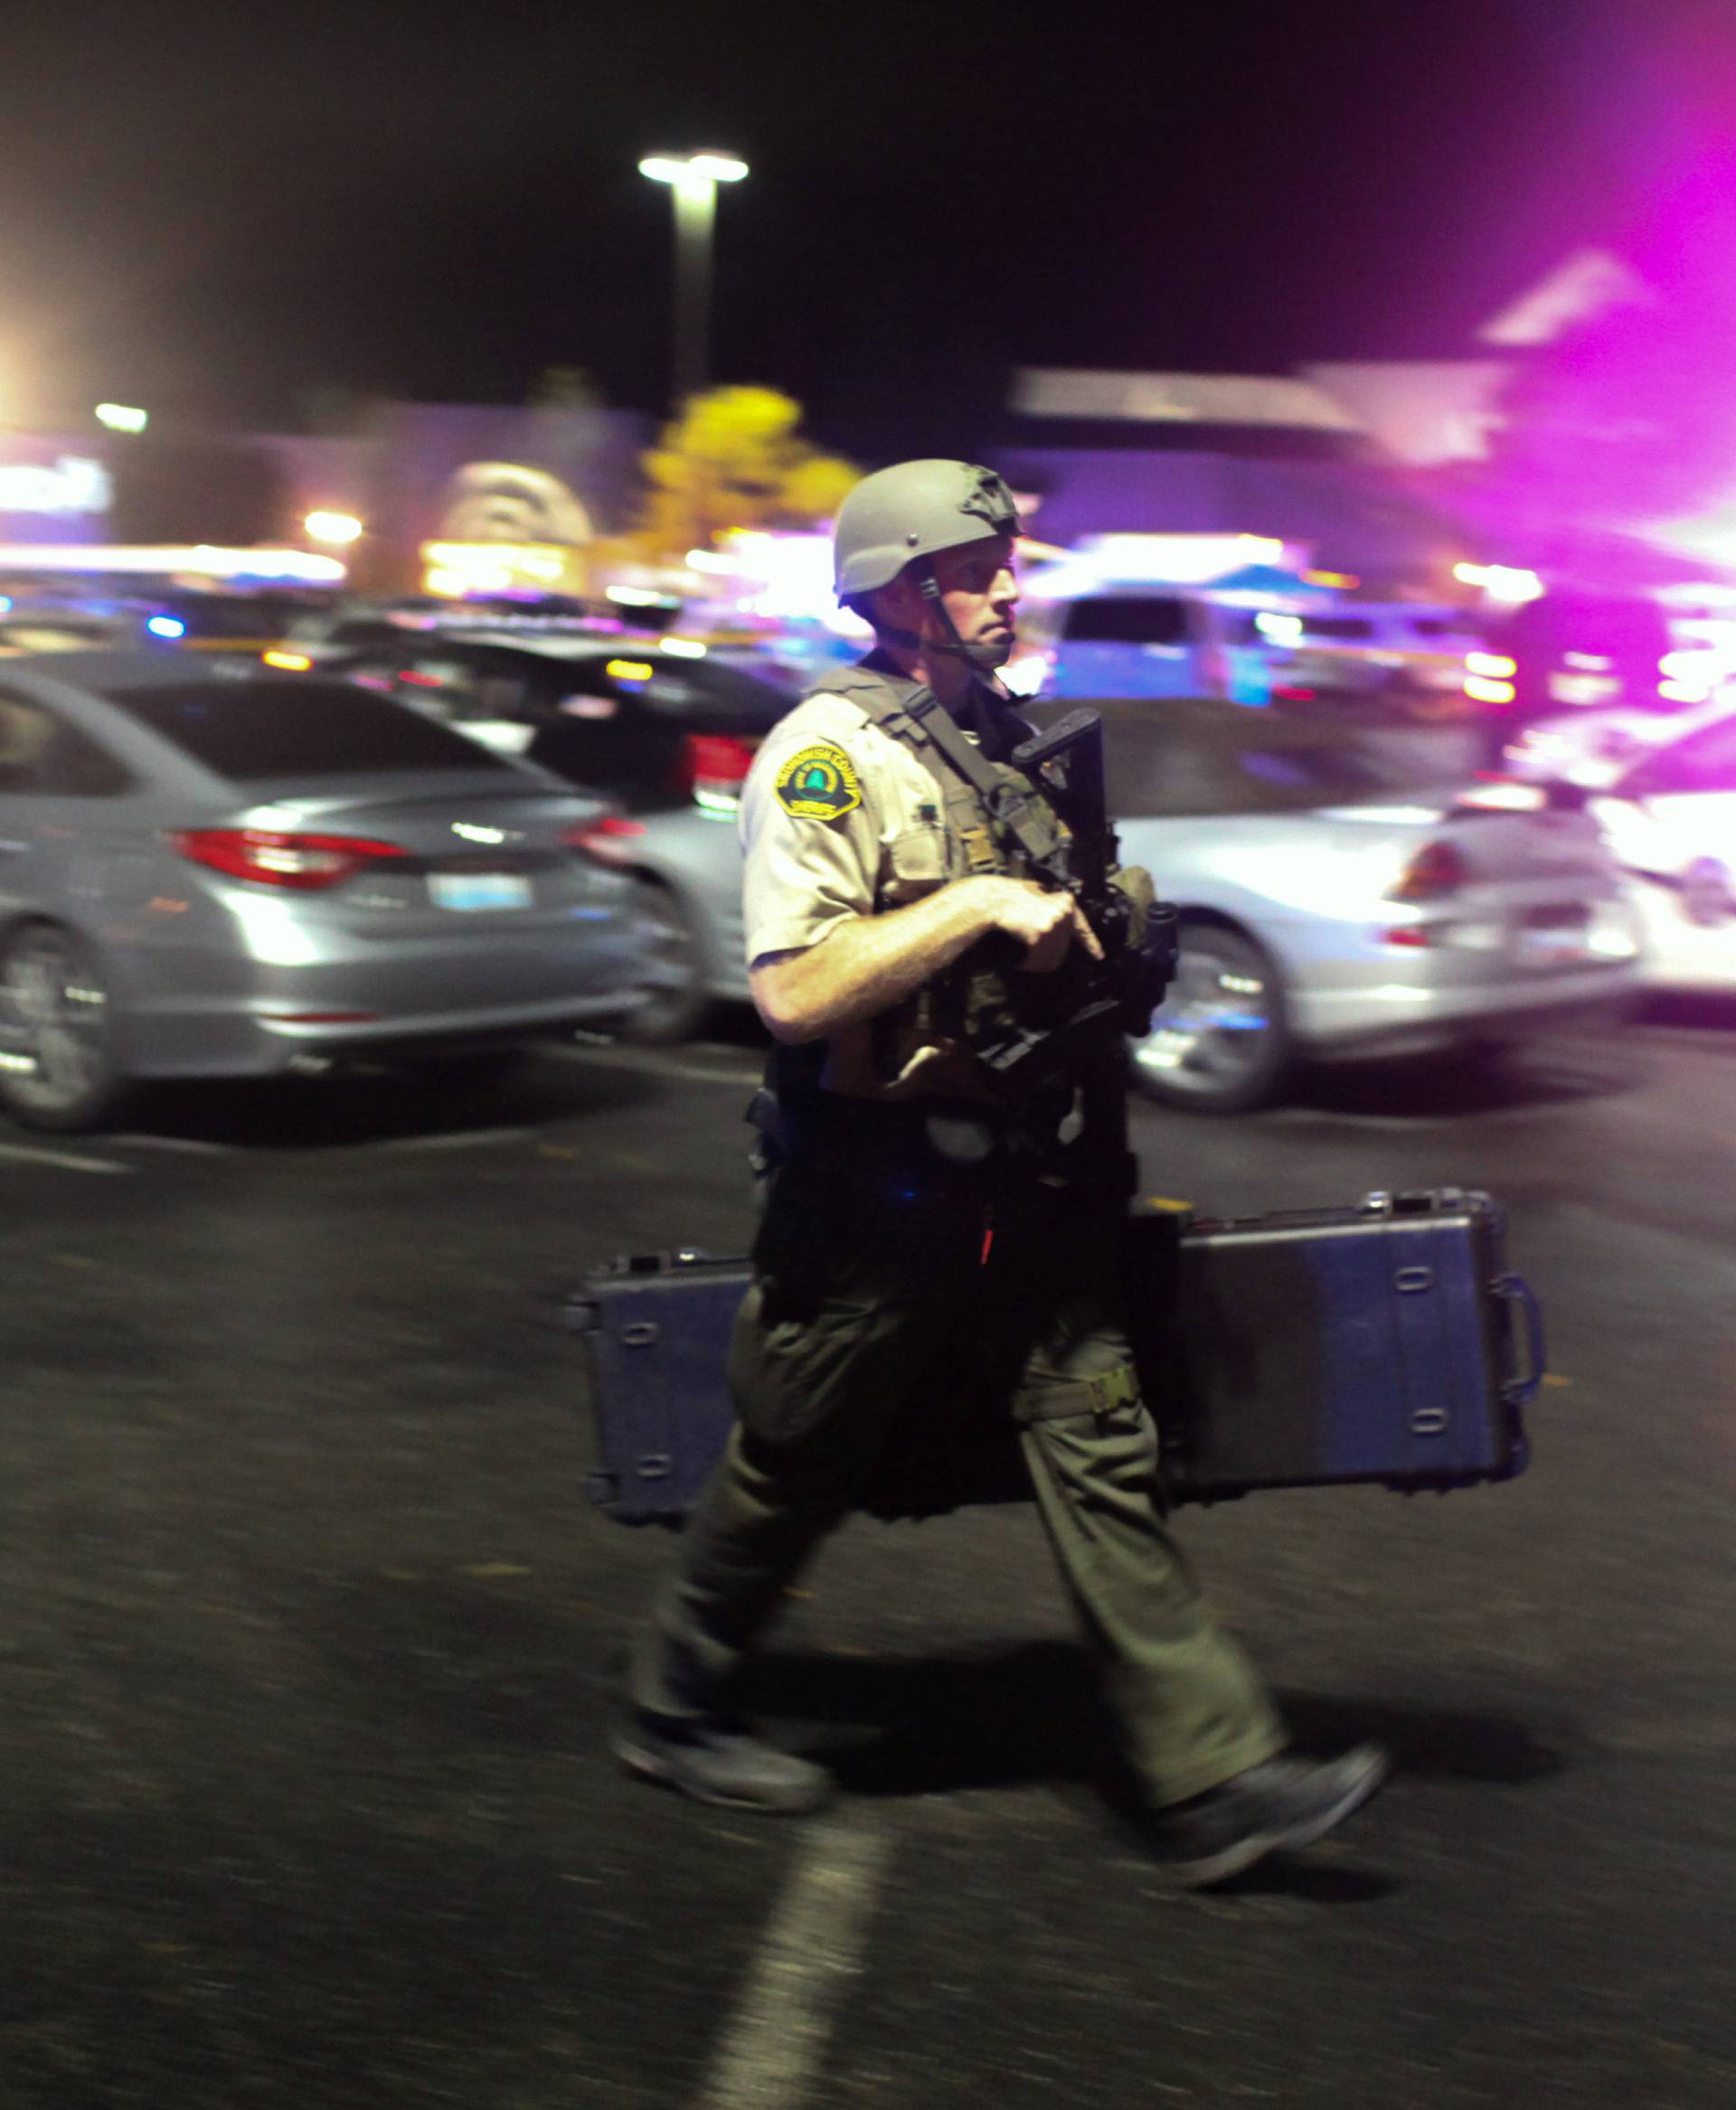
[{"x": 898, "y": 605}]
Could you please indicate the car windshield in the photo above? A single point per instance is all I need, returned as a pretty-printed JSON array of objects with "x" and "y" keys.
[
  {"x": 1177, "y": 760},
  {"x": 262, "y": 728},
  {"x": 712, "y": 695},
  {"x": 235, "y": 615},
  {"x": 1127, "y": 618}
]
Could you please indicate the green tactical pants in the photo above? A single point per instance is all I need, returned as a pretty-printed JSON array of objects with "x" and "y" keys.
[{"x": 883, "y": 1300}]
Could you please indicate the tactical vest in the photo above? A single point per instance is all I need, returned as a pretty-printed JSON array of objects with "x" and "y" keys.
[{"x": 973, "y": 1002}]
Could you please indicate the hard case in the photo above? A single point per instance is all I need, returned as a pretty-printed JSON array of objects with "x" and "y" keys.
[{"x": 1383, "y": 1342}]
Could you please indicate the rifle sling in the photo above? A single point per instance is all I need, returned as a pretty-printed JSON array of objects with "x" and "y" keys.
[{"x": 936, "y": 730}]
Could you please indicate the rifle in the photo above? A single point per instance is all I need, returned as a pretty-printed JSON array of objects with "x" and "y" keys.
[{"x": 1104, "y": 1000}]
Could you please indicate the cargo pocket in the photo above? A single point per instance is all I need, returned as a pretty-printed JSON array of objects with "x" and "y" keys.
[
  {"x": 798, "y": 1368},
  {"x": 1092, "y": 1445},
  {"x": 1068, "y": 1388},
  {"x": 1081, "y": 1360}
]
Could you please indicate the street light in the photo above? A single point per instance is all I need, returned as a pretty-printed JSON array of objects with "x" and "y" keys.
[
  {"x": 322, "y": 526},
  {"x": 693, "y": 178},
  {"x": 122, "y": 416}
]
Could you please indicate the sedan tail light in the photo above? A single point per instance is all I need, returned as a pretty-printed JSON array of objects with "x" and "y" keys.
[
  {"x": 1435, "y": 871},
  {"x": 608, "y": 839},
  {"x": 305, "y": 864},
  {"x": 713, "y": 767}
]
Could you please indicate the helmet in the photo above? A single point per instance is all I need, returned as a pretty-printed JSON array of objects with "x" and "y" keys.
[{"x": 912, "y": 510}]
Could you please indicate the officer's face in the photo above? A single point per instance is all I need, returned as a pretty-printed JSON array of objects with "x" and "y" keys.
[{"x": 980, "y": 590}]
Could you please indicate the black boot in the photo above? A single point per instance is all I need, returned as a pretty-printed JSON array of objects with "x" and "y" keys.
[
  {"x": 715, "y": 1759},
  {"x": 1286, "y": 1802}
]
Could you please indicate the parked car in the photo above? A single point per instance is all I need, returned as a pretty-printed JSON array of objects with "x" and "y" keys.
[
  {"x": 1402, "y": 627},
  {"x": 1341, "y": 895},
  {"x": 1140, "y": 639},
  {"x": 194, "y": 619},
  {"x": 232, "y": 619},
  {"x": 209, "y": 870},
  {"x": 666, "y": 731},
  {"x": 1387, "y": 659},
  {"x": 1671, "y": 821},
  {"x": 1574, "y": 650}
]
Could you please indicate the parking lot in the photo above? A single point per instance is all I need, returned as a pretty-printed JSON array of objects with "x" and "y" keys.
[{"x": 308, "y": 1641}]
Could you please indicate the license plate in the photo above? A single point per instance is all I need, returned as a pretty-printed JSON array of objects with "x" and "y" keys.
[
  {"x": 1554, "y": 938},
  {"x": 479, "y": 889}
]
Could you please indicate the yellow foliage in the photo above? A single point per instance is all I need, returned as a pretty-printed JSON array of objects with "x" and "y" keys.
[{"x": 735, "y": 459}]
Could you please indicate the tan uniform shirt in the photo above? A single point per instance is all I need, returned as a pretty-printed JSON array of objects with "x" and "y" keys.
[
  {"x": 882, "y": 844},
  {"x": 840, "y": 820}
]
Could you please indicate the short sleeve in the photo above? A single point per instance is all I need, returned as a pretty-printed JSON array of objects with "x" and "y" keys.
[{"x": 810, "y": 836}]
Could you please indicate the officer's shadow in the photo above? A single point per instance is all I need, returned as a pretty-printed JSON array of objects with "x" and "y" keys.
[{"x": 1031, "y": 1715}]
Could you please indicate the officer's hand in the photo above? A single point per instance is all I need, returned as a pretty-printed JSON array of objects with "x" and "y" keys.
[{"x": 1046, "y": 924}]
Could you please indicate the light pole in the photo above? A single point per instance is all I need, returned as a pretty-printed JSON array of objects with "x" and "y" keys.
[{"x": 694, "y": 178}]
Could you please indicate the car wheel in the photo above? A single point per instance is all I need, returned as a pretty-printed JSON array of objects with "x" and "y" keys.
[
  {"x": 60, "y": 1066},
  {"x": 1220, "y": 1041},
  {"x": 679, "y": 1000}
]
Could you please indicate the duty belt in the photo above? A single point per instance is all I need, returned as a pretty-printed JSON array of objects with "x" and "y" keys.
[{"x": 961, "y": 1136}]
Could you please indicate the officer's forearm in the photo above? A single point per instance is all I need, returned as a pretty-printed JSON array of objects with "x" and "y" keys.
[{"x": 867, "y": 964}]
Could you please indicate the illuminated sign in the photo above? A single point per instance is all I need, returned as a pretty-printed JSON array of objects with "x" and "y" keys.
[
  {"x": 456, "y": 568},
  {"x": 72, "y": 483},
  {"x": 199, "y": 560}
]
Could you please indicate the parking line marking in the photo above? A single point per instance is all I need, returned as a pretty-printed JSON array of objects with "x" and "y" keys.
[
  {"x": 782, "y": 2018},
  {"x": 63, "y": 1158},
  {"x": 734, "y": 1078},
  {"x": 609, "y": 1057},
  {"x": 192, "y": 1145},
  {"x": 460, "y": 1139}
]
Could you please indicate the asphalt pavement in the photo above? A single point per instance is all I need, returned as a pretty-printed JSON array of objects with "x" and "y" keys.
[{"x": 307, "y": 1644}]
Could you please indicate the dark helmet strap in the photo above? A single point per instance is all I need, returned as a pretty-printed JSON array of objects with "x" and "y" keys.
[
  {"x": 951, "y": 642},
  {"x": 929, "y": 587}
]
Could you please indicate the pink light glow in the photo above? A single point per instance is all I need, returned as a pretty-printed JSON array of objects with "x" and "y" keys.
[{"x": 1614, "y": 464}]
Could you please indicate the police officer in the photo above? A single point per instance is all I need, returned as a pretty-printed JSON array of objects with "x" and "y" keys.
[{"x": 930, "y": 1252}]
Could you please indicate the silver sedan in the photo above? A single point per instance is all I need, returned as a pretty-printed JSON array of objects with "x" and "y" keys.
[
  {"x": 208, "y": 872},
  {"x": 1352, "y": 892},
  {"x": 1343, "y": 892}
]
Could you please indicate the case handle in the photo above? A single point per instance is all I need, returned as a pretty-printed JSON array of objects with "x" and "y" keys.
[{"x": 1520, "y": 1386}]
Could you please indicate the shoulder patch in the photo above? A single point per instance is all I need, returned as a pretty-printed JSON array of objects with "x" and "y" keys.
[{"x": 818, "y": 783}]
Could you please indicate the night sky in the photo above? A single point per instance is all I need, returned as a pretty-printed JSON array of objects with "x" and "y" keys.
[{"x": 240, "y": 215}]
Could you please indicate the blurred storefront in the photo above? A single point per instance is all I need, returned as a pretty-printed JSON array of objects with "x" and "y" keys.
[
  {"x": 54, "y": 488},
  {"x": 1517, "y": 446},
  {"x": 423, "y": 496},
  {"x": 496, "y": 499},
  {"x": 1352, "y": 517}
]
